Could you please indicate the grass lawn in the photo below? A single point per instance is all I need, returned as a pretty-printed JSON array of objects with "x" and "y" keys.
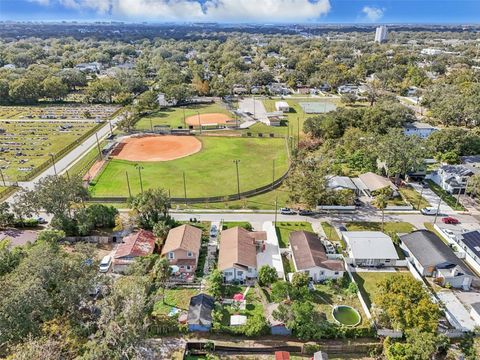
[
  {"x": 285, "y": 228},
  {"x": 449, "y": 199},
  {"x": 175, "y": 116},
  {"x": 210, "y": 172},
  {"x": 390, "y": 227},
  {"x": 80, "y": 167},
  {"x": 429, "y": 226},
  {"x": 288, "y": 266},
  {"x": 178, "y": 297},
  {"x": 413, "y": 197},
  {"x": 330, "y": 231},
  {"x": 368, "y": 283},
  {"x": 231, "y": 224}
]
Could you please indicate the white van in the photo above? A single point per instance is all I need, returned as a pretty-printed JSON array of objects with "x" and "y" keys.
[
  {"x": 105, "y": 263},
  {"x": 429, "y": 211}
]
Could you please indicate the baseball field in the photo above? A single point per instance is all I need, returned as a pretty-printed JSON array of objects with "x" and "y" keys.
[{"x": 208, "y": 172}]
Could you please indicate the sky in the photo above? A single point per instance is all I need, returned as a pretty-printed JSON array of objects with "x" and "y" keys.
[{"x": 261, "y": 11}]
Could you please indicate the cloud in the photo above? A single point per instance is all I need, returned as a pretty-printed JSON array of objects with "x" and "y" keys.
[
  {"x": 372, "y": 14},
  {"x": 207, "y": 10}
]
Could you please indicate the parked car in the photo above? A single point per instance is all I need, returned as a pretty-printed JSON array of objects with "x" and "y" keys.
[
  {"x": 41, "y": 220},
  {"x": 450, "y": 220},
  {"x": 429, "y": 211},
  {"x": 105, "y": 263},
  {"x": 425, "y": 185},
  {"x": 214, "y": 231},
  {"x": 342, "y": 228},
  {"x": 306, "y": 212},
  {"x": 287, "y": 211}
]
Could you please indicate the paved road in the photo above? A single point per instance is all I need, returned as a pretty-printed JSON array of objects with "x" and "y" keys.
[{"x": 65, "y": 162}]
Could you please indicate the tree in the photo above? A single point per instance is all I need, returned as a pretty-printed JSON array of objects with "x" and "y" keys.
[
  {"x": 256, "y": 325},
  {"x": 473, "y": 185},
  {"x": 128, "y": 121},
  {"x": 215, "y": 283},
  {"x": 381, "y": 202},
  {"x": 24, "y": 90},
  {"x": 52, "y": 237},
  {"x": 300, "y": 317},
  {"x": 54, "y": 88},
  {"x": 151, "y": 207},
  {"x": 300, "y": 280},
  {"x": 9, "y": 257},
  {"x": 160, "y": 230},
  {"x": 6, "y": 217},
  {"x": 267, "y": 275},
  {"x": 102, "y": 216},
  {"x": 400, "y": 153},
  {"x": 161, "y": 273},
  {"x": 419, "y": 345}
]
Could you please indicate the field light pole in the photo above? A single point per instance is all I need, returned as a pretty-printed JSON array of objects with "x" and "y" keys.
[
  {"x": 273, "y": 173},
  {"x": 151, "y": 125},
  {"x": 3, "y": 179},
  {"x": 128, "y": 185},
  {"x": 53, "y": 162},
  {"x": 184, "y": 118},
  {"x": 140, "y": 168},
  {"x": 185, "y": 188},
  {"x": 238, "y": 178},
  {"x": 199, "y": 122},
  {"x": 98, "y": 146},
  {"x": 111, "y": 127}
]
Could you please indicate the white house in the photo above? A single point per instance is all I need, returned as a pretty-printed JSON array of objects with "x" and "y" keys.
[
  {"x": 452, "y": 178},
  {"x": 433, "y": 258},
  {"x": 422, "y": 130},
  {"x": 237, "y": 256},
  {"x": 282, "y": 106},
  {"x": 370, "y": 248},
  {"x": 470, "y": 243},
  {"x": 309, "y": 256}
]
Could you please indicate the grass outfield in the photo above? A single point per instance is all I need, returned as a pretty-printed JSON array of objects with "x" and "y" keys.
[
  {"x": 210, "y": 172},
  {"x": 174, "y": 116}
]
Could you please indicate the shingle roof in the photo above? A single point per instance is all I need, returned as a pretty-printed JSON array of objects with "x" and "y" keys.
[
  {"x": 341, "y": 182},
  {"x": 309, "y": 252},
  {"x": 370, "y": 245},
  {"x": 237, "y": 247},
  {"x": 430, "y": 250},
  {"x": 375, "y": 182},
  {"x": 200, "y": 310},
  {"x": 141, "y": 243},
  {"x": 185, "y": 237}
]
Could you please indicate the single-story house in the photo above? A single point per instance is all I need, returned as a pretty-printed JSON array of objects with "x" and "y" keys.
[
  {"x": 370, "y": 248},
  {"x": 433, "y": 258},
  {"x": 373, "y": 182},
  {"x": 140, "y": 243},
  {"x": 282, "y": 106},
  {"x": 422, "y": 130},
  {"x": 342, "y": 183},
  {"x": 182, "y": 247},
  {"x": 470, "y": 243},
  {"x": 452, "y": 178},
  {"x": 237, "y": 256},
  {"x": 309, "y": 256},
  {"x": 200, "y": 313}
]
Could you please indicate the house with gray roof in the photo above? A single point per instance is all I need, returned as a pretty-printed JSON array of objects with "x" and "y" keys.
[
  {"x": 433, "y": 258},
  {"x": 338, "y": 183},
  {"x": 453, "y": 178},
  {"x": 470, "y": 243},
  {"x": 370, "y": 248},
  {"x": 422, "y": 130}
]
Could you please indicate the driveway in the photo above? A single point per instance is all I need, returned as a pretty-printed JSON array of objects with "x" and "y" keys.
[
  {"x": 270, "y": 255},
  {"x": 433, "y": 199}
]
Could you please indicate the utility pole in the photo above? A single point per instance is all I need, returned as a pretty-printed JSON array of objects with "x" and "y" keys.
[
  {"x": 276, "y": 209},
  {"x": 151, "y": 125},
  {"x": 128, "y": 184},
  {"x": 111, "y": 127},
  {"x": 199, "y": 123},
  {"x": 238, "y": 178},
  {"x": 438, "y": 209},
  {"x": 298, "y": 131},
  {"x": 184, "y": 118},
  {"x": 185, "y": 188},
  {"x": 98, "y": 146},
  {"x": 254, "y": 112},
  {"x": 53, "y": 162},
  {"x": 420, "y": 199},
  {"x": 3, "y": 179}
]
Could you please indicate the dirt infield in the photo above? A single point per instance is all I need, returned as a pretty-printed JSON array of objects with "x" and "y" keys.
[
  {"x": 207, "y": 119},
  {"x": 157, "y": 148}
]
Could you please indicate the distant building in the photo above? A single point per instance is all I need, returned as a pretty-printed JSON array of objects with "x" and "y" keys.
[
  {"x": 282, "y": 106},
  {"x": 453, "y": 178},
  {"x": 420, "y": 129},
  {"x": 141, "y": 243},
  {"x": 381, "y": 34}
]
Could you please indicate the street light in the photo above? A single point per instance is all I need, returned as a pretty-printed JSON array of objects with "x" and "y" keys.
[
  {"x": 238, "y": 178},
  {"x": 53, "y": 162},
  {"x": 140, "y": 168}
]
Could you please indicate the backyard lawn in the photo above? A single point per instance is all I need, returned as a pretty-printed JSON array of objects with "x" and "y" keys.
[
  {"x": 231, "y": 224},
  {"x": 368, "y": 283},
  {"x": 210, "y": 172},
  {"x": 179, "y": 298},
  {"x": 449, "y": 199},
  {"x": 413, "y": 197},
  {"x": 285, "y": 228}
]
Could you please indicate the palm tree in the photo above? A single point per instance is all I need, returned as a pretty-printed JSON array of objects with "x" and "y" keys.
[
  {"x": 381, "y": 202},
  {"x": 160, "y": 230}
]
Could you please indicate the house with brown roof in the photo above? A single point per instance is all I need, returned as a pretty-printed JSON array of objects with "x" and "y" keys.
[
  {"x": 237, "y": 257},
  {"x": 182, "y": 247},
  {"x": 309, "y": 256},
  {"x": 140, "y": 243}
]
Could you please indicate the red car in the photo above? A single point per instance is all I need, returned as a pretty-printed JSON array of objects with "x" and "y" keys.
[{"x": 450, "y": 220}]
